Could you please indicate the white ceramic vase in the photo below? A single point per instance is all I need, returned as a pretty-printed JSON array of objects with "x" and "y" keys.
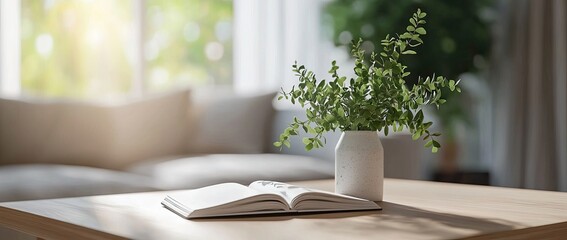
[{"x": 359, "y": 165}]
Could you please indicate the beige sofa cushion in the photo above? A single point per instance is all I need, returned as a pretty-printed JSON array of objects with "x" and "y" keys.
[
  {"x": 40, "y": 181},
  {"x": 99, "y": 135},
  {"x": 202, "y": 170},
  {"x": 224, "y": 122},
  {"x": 149, "y": 129},
  {"x": 53, "y": 132}
]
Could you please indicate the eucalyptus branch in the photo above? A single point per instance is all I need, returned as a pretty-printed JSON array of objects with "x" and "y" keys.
[{"x": 377, "y": 99}]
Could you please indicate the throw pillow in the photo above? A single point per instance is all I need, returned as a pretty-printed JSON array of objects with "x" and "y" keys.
[
  {"x": 151, "y": 128},
  {"x": 225, "y": 122},
  {"x": 90, "y": 134}
]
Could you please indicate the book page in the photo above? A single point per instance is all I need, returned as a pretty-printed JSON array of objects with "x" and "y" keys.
[
  {"x": 223, "y": 200},
  {"x": 213, "y": 196},
  {"x": 306, "y": 199},
  {"x": 287, "y": 191}
]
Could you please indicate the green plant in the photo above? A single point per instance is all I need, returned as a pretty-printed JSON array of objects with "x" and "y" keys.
[{"x": 376, "y": 100}]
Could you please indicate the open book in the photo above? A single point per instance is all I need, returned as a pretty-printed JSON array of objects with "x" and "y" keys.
[{"x": 260, "y": 197}]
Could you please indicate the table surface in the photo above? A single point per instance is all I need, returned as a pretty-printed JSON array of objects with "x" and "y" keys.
[{"x": 411, "y": 210}]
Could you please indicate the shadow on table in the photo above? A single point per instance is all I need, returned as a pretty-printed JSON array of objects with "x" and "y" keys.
[
  {"x": 422, "y": 219},
  {"x": 392, "y": 216}
]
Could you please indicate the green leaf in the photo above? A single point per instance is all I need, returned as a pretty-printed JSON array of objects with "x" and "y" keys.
[
  {"x": 287, "y": 144},
  {"x": 410, "y": 28},
  {"x": 309, "y": 146},
  {"x": 340, "y": 111},
  {"x": 417, "y": 38},
  {"x": 415, "y": 136},
  {"x": 409, "y": 52},
  {"x": 412, "y": 21},
  {"x": 278, "y": 144},
  {"x": 434, "y": 149},
  {"x": 429, "y": 143},
  {"x": 452, "y": 85},
  {"x": 422, "y": 15},
  {"x": 321, "y": 84},
  {"x": 309, "y": 114},
  {"x": 421, "y": 30},
  {"x": 311, "y": 130},
  {"x": 403, "y": 36},
  {"x": 436, "y": 144},
  {"x": 419, "y": 115}
]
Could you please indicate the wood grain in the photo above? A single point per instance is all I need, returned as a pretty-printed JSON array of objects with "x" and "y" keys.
[{"x": 411, "y": 210}]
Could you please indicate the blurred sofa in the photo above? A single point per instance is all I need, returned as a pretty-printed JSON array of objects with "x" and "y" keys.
[{"x": 178, "y": 140}]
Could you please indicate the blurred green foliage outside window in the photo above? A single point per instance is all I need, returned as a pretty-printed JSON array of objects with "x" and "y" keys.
[
  {"x": 189, "y": 42},
  {"x": 85, "y": 49}
]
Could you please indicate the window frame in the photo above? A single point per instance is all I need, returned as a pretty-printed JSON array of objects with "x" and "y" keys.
[{"x": 10, "y": 46}]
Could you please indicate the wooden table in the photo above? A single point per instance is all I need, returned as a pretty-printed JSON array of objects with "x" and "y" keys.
[{"x": 412, "y": 210}]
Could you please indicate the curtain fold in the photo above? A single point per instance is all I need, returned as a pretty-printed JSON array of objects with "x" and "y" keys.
[
  {"x": 530, "y": 88},
  {"x": 269, "y": 36}
]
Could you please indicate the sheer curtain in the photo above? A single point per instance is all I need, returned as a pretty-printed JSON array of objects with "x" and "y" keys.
[
  {"x": 269, "y": 35},
  {"x": 530, "y": 130}
]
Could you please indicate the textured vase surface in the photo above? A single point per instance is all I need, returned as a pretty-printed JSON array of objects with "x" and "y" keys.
[{"x": 359, "y": 165}]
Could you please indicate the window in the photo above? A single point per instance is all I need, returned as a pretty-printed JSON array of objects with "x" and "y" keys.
[
  {"x": 188, "y": 42},
  {"x": 108, "y": 48},
  {"x": 76, "y": 48}
]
